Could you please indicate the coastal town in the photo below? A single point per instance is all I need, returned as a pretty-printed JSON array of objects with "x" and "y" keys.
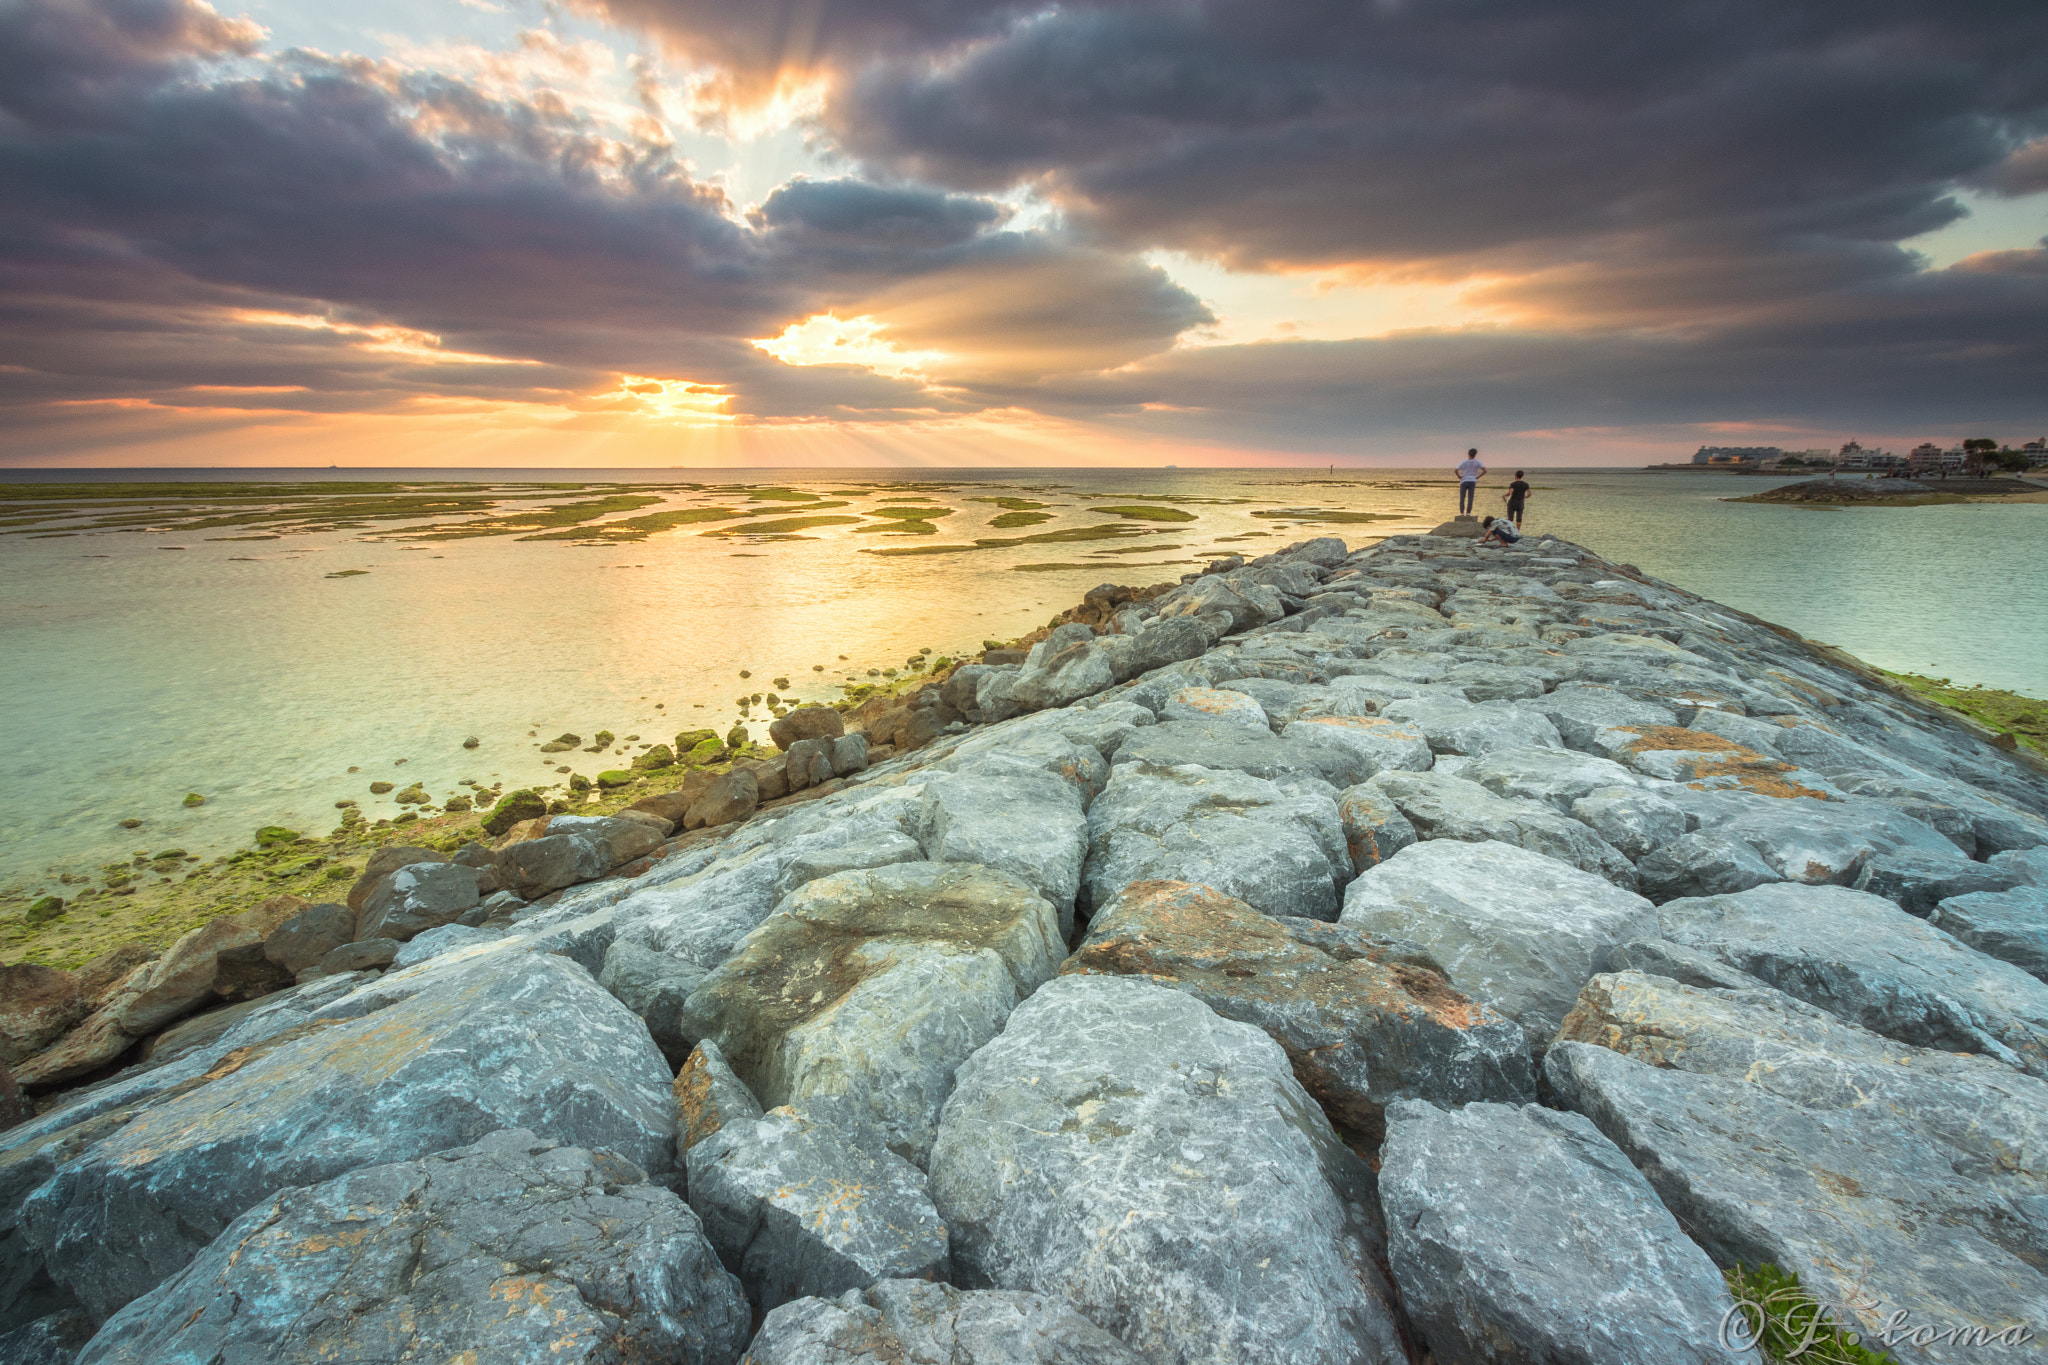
[{"x": 1980, "y": 456}]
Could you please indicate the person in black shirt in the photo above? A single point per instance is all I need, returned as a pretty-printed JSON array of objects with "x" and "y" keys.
[{"x": 1518, "y": 497}]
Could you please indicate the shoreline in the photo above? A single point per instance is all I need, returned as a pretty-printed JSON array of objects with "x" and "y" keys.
[
  {"x": 31, "y": 881},
  {"x": 154, "y": 899}
]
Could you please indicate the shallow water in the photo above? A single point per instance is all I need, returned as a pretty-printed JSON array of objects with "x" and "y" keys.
[{"x": 131, "y": 673}]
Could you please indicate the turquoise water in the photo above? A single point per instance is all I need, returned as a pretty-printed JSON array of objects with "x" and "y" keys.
[{"x": 131, "y": 674}]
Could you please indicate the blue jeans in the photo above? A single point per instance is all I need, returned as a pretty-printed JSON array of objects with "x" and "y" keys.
[{"x": 1467, "y": 490}]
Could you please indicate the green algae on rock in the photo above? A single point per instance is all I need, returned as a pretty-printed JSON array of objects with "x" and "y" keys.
[{"x": 513, "y": 807}]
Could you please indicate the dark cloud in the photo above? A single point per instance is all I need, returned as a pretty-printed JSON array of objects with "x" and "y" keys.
[
  {"x": 858, "y": 214},
  {"x": 1307, "y": 132},
  {"x": 161, "y": 181},
  {"x": 1695, "y": 210},
  {"x": 2024, "y": 172},
  {"x": 1941, "y": 348}
]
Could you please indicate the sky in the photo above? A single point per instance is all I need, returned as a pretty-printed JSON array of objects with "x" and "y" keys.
[{"x": 931, "y": 233}]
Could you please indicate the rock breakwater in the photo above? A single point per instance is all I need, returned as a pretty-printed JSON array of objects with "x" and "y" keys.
[{"x": 1432, "y": 951}]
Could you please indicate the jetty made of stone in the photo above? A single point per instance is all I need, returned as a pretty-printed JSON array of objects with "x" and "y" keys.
[{"x": 1435, "y": 952}]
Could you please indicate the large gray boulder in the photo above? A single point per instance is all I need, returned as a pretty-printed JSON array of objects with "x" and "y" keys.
[
  {"x": 1474, "y": 728},
  {"x": 309, "y": 935},
  {"x": 1520, "y": 1234},
  {"x": 1364, "y": 1022},
  {"x": 415, "y": 898},
  {"x": 874, "y": 985},
  {"x": 1442, "y": 806},
  {"x": 1218, "y": 742},
  {"x": 1347, "y": 750},
  {"x": 1374, "y": 828},
  {"x": 1158, "y": 1166},
  {"x": 1830, "y": 842},
  {"x": 1892, "y": 1179},
  {"x": 2030, "y": 865},
  {"x": 1280, "y": 851},
  {"x": 392, "y": 1071},
  {"x": 1514, "y": 929},
  {"x": 654, "y": 986},
  {"x": 1012, "y": 817},
  {"x": 916, "y": 1322},
  {"x": 1635, "y": 822},
  {"x": 797, "y": 1204},
  {"x": 1209, "y": 703},
  {"x": 1862, "y": 958},
  {"x": 514, "y": 1250},
  {"x": 702, "y": 916},
  {"x": 576, "y": 848},
  {"x": 1703, "y": 863},
  {"x": 1556, "y": 777},
  {"x": 53, "y": 1339},
  {"x": 1064, "y": 667},
  {"x": 1246, "y": 603},
  {"x": 1581, "y": 711},
  {"x": 1916, "y": 881},
  {"x": 2010, "y": 925}
]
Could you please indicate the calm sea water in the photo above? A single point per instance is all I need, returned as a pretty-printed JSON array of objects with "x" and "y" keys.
[{"x": 130, "y": 676}]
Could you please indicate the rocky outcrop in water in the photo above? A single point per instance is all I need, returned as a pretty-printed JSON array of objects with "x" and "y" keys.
[{"x": 1070, "y": 1020}]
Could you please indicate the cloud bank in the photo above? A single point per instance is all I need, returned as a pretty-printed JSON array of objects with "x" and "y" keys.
[{"x": 1661, "y": 217}]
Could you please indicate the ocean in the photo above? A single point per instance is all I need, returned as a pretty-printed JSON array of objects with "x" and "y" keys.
[{"x": 275, "y": 659}]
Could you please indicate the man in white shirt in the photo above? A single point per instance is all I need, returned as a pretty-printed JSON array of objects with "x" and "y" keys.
[{"x": 1469, "y": 470}]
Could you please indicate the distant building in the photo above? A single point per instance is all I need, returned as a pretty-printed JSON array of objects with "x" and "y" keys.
[
  {"x": 1735, "y": 454},
  {"x": 1924, "y": 457}
]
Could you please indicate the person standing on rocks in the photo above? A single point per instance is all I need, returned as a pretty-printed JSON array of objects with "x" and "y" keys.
[
  {"x": 1468, "y": 471},
  {"x": 1518, "y": 498}
]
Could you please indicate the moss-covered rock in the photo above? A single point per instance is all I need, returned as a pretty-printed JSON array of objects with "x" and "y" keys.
[
  {"x": 270, "y": 836},
  {"x": 513, "y": 807},
  {"x": 706, "y": 751},
  {"x": 602, "y": 739},
  {"x": 45, "y": 909},
  {"x": 660, "y": 756},
  {"x": 614, "y": 778},
  {"x": 406, "y": 818},
  {"x": 194, "y": 799},
  {"x": 177, "y": 853},
  {"x": 131, "y": 824},
  {"x": 379, "y": 788},
  {"x": 457, "y": 804},
  {"x": 687, "y": 740},
  {"x": 415, "y": 795},
  {"x": 578, "y": 782},
  {"x": 737, "y": 737}
]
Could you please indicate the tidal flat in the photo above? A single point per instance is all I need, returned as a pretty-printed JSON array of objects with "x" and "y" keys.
[{"x": 254, "y": 638}]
